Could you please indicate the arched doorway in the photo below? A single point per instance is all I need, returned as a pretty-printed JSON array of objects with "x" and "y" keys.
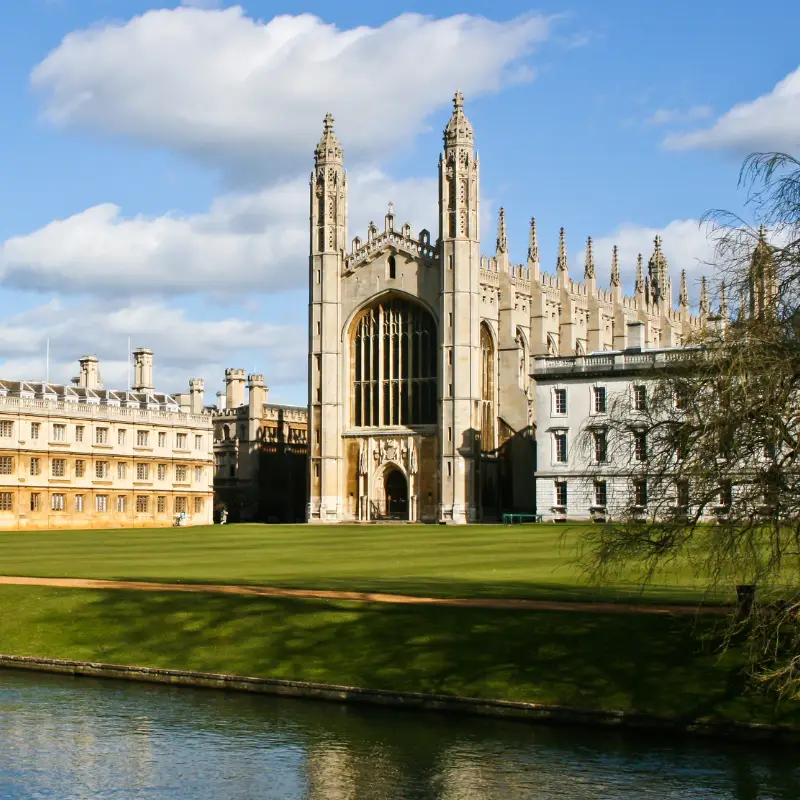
[{"x": 396, "y": 491}]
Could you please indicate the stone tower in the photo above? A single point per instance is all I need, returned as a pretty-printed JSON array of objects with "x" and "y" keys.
[
  {"x": 328, "y": 243},
  {"x": 460, "y": 318}
]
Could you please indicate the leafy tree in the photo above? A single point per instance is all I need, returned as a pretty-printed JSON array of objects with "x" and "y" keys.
[{"x": 715, "y": 443}]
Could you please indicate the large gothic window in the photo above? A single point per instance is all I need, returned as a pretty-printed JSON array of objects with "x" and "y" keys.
[
  {"x": 487, "y": 390},
  {"x": 394, "y": 352}
]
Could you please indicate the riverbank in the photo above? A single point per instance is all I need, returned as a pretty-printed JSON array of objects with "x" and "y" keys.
[{"x": 652, "y": 665}]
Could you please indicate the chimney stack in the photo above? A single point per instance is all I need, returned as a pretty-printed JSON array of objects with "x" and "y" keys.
[
  {"x": 90, "y": 372},
  {"x": 196, "y": 395},
  {"x": 635, "y": 336},
  {"x": 142, "y": 370},
  {"x": 234, "y": 387},
  {"x": 220, "y": 401}
]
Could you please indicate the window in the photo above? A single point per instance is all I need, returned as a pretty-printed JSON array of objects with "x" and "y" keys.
[
  {"x": 725, "y": 494},
  {"x": 198, "y": 474},
  {"x": 36, "y": 466},
  {"x": 57, "y": 502},
  {"x": 561, "y": 493},
  {"x": 640, "y": 398},
  {"x": 682, "y": 493},
  {"x": 180, "y": 505},
  {"x": 395, "y": 351},
  {"x": 101, "y": 435},
  {"x": 35, "y": 501},
  {"x": 79, "y": 502},
  {"x": 121, "y": 504},
  {"x": 162, "y": 472},
  {"x": 121, "y": 434},
  {"x": 59, "y": 467},
  {"x": 80, "y": 468},
  {"x": 142, "y": 472},
  {"x": 599, "y": 405},
  {"x": 198, "y": 442},
  {"x": 162, "y": 439},
  {"x": 36, "y": 428},
  {"x": 198, "y": 505},
  {"x": 180, "y": 474},
  {"x": 59, "y": 433},
  {"x": 141, "y": 503},
  {"x": 392, "y": 268},
  {"x": 640, "y": 446},
  {"x": 142, "y": 438},
  {"x": 161, "y": 504},
  {"x": 181, "y": 441},
  {"x": 600, "y": 494},
  {"x": 560, "y": 440},
  {"x": 680, "y": 397},
  {"x": 101, "y": 469},
  {"x": 640, "y": 492},
  {"x": 488, "y": 375},
  {"x": 6, "y": 429},
  {"x": 600, "y": 446},
  {"x": 101, "y": 502},
  {"x": 559, "y": 401},
  {"x": 121, "y": 469},
  {"x": 6, "y": 501},
  {"x": 6, "y": 465},
  {"x": 79, "y": 432}
]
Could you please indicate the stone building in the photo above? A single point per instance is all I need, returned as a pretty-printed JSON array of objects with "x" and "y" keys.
[
  {"x": 421, "y": 349},
  {"x": 260, "y": 453},
  {"x": 82, "y": 456}
]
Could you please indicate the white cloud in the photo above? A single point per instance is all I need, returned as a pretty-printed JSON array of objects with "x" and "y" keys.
[
  {"x": 257, "y": 242},
  {"x": 248, "y": 96},
  {"x": 667, "y": 116},
  {"x": 771, "y": 122}
]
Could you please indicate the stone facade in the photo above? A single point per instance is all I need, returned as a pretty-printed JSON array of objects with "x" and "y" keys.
[
  {"x": 83, "y": 456},
  {"x": 260, "y": 453},
  {"x": 421, "y": 405}
]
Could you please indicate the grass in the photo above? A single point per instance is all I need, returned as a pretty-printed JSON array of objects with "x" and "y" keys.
[
  {"x": 652, "y": 664},
  {"x": 530, "y": 561}
]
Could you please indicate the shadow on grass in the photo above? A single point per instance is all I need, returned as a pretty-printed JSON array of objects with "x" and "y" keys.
[{"x": 649, "y": 664}]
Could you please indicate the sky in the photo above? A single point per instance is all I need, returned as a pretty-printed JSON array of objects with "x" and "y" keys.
[{"x": 154, "y": 159}]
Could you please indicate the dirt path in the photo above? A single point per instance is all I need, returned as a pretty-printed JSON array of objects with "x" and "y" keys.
[{"x": 365, "y": 597}]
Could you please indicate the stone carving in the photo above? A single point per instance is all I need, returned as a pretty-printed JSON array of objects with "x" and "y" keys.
[
  {"x": 412, "y": 460},
  {"x": 362, "y": 459}
]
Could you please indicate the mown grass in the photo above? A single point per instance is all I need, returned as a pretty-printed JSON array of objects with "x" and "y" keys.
[
  {"x": 534, "y": 561},
  {"x": 652, "y": 664}
]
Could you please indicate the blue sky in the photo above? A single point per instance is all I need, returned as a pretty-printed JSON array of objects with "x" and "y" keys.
[{"x": 154, "y": 159}]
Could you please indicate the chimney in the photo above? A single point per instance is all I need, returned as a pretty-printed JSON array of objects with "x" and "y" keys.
[
  {"x": 142, "y": 370},
  {"x": 234, "y": 387},
  {"x": 258, "y": 394},
  {"x": 220, "y": 401},
  {"x": 635, "y": 336},
  {"x": 90, "y": 372},
  {"x": 196, "y": 392}
]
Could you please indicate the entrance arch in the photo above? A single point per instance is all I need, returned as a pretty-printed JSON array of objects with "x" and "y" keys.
[{"x": 395, "y": 487}]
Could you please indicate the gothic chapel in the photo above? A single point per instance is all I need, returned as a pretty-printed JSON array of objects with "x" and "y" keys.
[{"x": 420, "y": 349}]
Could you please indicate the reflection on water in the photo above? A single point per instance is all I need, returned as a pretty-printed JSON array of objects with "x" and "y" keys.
[{"x": 84, "y": 739}]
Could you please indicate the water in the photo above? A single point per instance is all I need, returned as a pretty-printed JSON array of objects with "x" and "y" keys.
[{"x": 89, "y": 739}]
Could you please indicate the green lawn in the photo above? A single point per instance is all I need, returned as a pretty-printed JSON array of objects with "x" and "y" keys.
[
  {"x": 653, "y": 664},
  {"x": 535, "y": 561}
]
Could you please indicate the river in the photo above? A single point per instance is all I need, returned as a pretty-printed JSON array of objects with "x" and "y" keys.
[{"x": 65, "y": 738}]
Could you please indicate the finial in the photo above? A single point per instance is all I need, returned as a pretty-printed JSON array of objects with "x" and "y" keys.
[
  {"x": 588, "y": 271},
  {"x": 458, "y": 130},
  {"x": 328, "y": 123},
  {"x": 458, "y": 100},
  {"x": 657, "y": 243},
  {"x": 533, "y": 245},
  {"x": 762, "y": 232},
  {"x": 615, "y": 278},
  {"x": 703, "y": 296},
  {"x": 683, "y": 297},
  {"x": 723, "y": 301},
  {"x": 328, "y": 149},
  {"x": 390, "y": 212},
  {"x": 502, "y": 238},
  {"x": 639, "y": 287},
  {"x": 561, "y": 263}
]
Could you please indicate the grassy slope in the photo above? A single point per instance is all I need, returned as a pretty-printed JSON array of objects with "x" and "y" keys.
[
  {"x": 627, "y": 662},
  {"x": 480, "y": 560}
]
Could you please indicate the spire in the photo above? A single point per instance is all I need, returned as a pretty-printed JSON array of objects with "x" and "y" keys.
[
  {"x": 533, "y": 245},
  {"x": 588, "y": 271},
  {"x": 458, "y": 130},
  {"x": 328, "y": 151},
  {"x": 703, "y": 296},
  {"x": 657, "y": 271},
  {"x": 502, "y": 238},
  {"x": 683, "y": 297},
  {"x": 561, "y": 263},
  {"x": 639, "y": 288},
  {"x": 723, "y": 301},
  {"x": 615, "y": 278}
]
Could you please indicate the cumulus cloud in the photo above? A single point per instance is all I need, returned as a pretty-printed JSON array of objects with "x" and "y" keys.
[
  {"x": 668, "y": 116},
  {"x": 253, "y": 240},
  {"x": 771, "y": 122},
  {"x": 248, "y": 96}
]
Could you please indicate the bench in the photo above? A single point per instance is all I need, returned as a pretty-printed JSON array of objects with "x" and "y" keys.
[{"x": 518, "y": 519}]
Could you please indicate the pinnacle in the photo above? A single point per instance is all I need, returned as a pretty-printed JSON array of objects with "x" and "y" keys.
[
  {"x": 561, "y": 263},
  {"x": 589, "y": 268}
]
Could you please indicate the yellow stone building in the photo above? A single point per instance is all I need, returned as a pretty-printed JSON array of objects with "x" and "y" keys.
[{"x": 82, "y": 456}]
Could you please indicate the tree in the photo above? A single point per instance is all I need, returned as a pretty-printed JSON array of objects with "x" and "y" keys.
[{"x": 715, "y": 445}]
